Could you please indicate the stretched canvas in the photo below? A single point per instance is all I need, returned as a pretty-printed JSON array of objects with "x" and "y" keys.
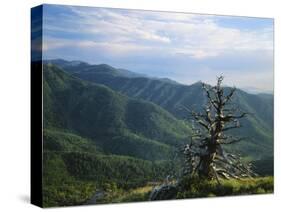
[{"x": 135, "y": 105}]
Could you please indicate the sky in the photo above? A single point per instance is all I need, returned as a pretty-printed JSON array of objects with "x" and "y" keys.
[{"x": 184, "y": 47}]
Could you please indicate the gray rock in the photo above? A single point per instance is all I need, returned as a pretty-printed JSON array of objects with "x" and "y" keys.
[{"x": 164, "y": 192}]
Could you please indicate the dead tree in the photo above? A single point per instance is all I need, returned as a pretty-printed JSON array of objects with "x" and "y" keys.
[{"x": 205, "y": 154}]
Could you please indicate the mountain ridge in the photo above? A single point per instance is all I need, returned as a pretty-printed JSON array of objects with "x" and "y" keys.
[
  {"x": 65, "y": 64},
  {"x": 97, "y": 112},
  {"x": 172, "y": 97}
]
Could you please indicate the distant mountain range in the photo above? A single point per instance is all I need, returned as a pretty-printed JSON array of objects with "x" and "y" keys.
[
  {"x": 171, "y": 96},
  {"x": 254, "y": 90}
]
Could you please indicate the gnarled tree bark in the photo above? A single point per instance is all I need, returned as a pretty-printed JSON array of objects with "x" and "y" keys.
[{"x": 205, "y": 154}]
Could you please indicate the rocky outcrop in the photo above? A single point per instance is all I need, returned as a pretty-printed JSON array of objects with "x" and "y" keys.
[{"x": 164, "y": 192}]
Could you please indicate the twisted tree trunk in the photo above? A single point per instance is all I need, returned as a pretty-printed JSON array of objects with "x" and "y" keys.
[
  {"x": 206, "y": 161},
  {"x": 205, "y": 154}
]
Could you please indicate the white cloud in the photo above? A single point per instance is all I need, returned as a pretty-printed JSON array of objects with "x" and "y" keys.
[
  {"x": 113, "y": 48},
  {"x": 197, "y": 36},
  {"x": 194, "y": 47},
  {"x": 107, "y": 47},
  {"x": 53, "y": 43}
]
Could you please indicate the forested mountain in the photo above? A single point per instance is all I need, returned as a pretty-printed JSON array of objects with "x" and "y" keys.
[
  {"x": 171, "y": 96},
  {"x": 118, "y": 124},
  {"x": 96, "y": 138},
  {"x": 75, "y": 169}
]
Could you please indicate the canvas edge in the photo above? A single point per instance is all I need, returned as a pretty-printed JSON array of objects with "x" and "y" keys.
[{"x": 36, "y": 107}]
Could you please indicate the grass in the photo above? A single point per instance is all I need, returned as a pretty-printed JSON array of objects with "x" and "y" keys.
[
  {"x": 133, "y": 195},
  {"x": 68, "y": 194},
  {"x": 193, "y": 187}
]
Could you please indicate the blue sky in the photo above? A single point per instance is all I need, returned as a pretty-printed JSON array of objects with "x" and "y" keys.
[{"x": 181, "y": 46}]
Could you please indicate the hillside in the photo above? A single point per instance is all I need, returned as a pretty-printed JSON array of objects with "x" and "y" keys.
[
  {"x": 120, "y": 125},
  {"x": 257, "y": 127},
  {"x": 75, "y": 169},
  {"x": 96, "y": 139}
]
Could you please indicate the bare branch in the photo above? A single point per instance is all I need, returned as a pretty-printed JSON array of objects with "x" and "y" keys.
[
  {"x": 231, "y": 127},
  {"x": 213, "y": 102},
  {"x": 231, "y": 117},
  {"x": 229, "y": 96},
  {"x": 232, "y": 141}
]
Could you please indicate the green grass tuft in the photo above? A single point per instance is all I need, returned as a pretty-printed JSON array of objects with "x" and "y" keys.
[{"x": 194, "y": 187}]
